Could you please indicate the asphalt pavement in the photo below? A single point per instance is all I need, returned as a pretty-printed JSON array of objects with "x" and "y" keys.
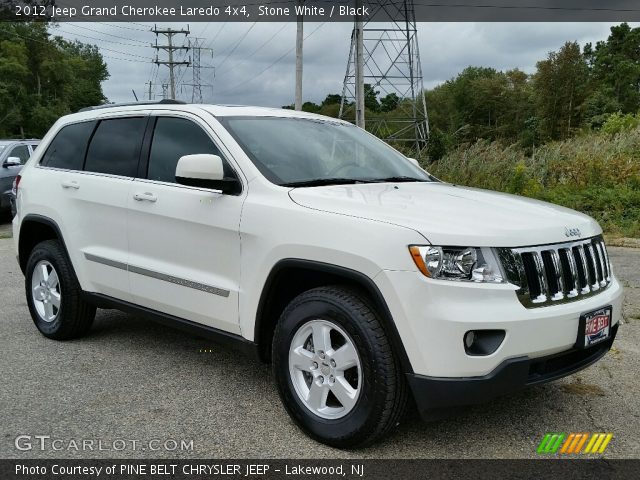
[{"x": 131, "y": 381}]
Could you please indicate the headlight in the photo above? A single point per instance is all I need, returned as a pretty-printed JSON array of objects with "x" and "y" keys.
[{"x": 469, "y": 264}]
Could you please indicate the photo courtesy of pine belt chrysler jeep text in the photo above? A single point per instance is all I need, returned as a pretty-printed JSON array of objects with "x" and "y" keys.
[{"x": 365, "y": 281}]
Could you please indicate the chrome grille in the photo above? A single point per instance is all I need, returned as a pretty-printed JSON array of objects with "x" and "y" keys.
[{"x": 559, "y": 273}]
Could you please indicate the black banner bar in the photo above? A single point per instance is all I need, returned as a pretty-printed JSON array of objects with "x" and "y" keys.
[
  {"x": 321, "y": 469},
  {"x": 319, "y": 10}
]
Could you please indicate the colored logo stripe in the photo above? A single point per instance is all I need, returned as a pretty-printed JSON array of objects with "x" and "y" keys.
[
  {"x": 574, "y": 443},
  {"x": 551, "y": 442},
  {"x": 598, "y": 443}
]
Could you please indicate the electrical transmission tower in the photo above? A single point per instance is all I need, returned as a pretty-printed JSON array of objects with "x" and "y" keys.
[
  {"x": 170, "y": 48},
  {"x": 196, "y": 66},
  {"x": 387, "y": 60}
]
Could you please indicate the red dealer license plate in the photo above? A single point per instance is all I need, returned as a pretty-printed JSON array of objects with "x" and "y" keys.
[{"x": 595, "y": 327}]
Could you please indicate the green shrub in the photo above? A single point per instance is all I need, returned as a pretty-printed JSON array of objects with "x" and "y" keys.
[{"x": 619, "y": 122}]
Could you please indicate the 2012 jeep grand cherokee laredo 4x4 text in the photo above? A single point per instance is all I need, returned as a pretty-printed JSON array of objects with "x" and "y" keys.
[{"x": 363, "y": 279}]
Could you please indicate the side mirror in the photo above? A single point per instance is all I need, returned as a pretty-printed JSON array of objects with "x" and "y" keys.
[
  {"x": 205, "y": 171},
  {"x": 12, "y": 162},
  {"x": 415, "y": 162}
]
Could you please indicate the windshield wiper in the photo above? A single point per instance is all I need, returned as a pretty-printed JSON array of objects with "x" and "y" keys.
[
  {"x": 397, "y": 179},
  {"x": 318, "y": 182}
]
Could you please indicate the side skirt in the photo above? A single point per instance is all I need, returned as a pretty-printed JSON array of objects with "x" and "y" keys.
[{"x": 216, "y": 335}]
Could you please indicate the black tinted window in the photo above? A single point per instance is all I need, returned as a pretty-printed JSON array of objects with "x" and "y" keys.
[
  {"x": 22, "y": 152},
  {"x": 68, "y": 147},
  {"x": 115, "y": 146},
  {"x": 172, "y": 139}
]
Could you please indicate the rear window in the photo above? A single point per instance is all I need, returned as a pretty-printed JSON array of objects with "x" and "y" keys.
[
  {"x": 115, "y": 146},
  {"x": 68, "y": 147}
]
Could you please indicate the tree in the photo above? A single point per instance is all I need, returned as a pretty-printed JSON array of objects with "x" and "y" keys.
[
  {"x": 332, "y": 99},
  {"x": 560, "y": 88},
  {"x": 43, "y": 78},
  {"x": 389, "y": 102},
  {"x": 615, "y": 65},
  {"x": 371, "y": 98}
]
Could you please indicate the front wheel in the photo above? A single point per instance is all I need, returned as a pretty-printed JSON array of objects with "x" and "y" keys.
[{"x": 335, "y": 370}]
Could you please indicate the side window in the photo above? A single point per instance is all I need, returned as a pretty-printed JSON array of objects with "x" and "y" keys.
[
  {"x": 68, "y": 147},
  {"x": 172, "y": 139},
  {"x": 22, "y": 152},
  {"x": 115, "y": 147}
]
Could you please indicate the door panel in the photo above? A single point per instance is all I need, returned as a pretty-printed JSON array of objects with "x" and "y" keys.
[
  {"x": 96, "y": 223},
  {"x": 184, "y": 242},
  {"x": 185, "y": 253}
]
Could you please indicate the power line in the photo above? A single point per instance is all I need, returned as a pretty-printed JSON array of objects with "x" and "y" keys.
[
  {"x": 105, "y": 33},
  {"x": 527, "y": 7},
  {"x": 262, "y": 45},
  {"x": 48, "y": 44},
  {"x": 237, "y": 45},
  {"x": 100, "y": 39},
  {"x": 217, "y": 34},
  {"x": 123, "y": 26},
  {"x": 270, "y": 66}
]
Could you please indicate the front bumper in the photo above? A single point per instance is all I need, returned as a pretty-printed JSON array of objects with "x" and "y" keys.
[
  {"x": 432, "y": 317},
  {"x": 433, "y": 394}
]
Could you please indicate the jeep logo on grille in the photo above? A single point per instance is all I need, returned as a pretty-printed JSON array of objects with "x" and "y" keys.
[{"x": 571, "y": 232}]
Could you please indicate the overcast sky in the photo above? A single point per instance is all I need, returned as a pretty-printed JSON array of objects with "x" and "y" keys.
[{"x": 247, "y": 71}]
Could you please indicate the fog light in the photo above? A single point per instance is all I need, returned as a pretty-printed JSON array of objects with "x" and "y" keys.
[
  {"x": 482, "y": 342},
  {"x": 469, "y": 337}
]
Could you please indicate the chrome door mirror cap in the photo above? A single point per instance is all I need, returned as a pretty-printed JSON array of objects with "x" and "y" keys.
[{"x": 12, "y": 162}]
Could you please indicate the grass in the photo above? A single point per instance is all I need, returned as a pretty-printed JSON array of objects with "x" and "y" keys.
[{"x": 596, "y": 173}]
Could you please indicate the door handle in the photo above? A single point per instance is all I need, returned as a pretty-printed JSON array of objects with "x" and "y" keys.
[
  {"x": 145, "y": 197},
  {"x": 70, "y": 184}
]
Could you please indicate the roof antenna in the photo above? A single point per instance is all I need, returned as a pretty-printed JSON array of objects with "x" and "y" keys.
[{"x": 134, "y": 95}]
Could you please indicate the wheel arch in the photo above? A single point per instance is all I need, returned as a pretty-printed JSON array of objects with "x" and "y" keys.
[
  {"x": 290, "y": 277},
  {"x": 33, "y": 230}
]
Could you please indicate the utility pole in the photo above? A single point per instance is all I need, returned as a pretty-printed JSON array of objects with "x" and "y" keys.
[
  {"x": 359, "y": 39},
  {"x": 170, "y": 48},
  {"x": 299, "y": 45},
  {"x": 150, "y": 87}
]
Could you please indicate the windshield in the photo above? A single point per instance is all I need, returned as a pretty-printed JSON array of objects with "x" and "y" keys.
[{"x": 298, "y": 152}]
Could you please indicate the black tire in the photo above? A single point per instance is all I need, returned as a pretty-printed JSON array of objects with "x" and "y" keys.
[
  {"x": 75, "y": 316},
  {"x": 382, "y": 400}
]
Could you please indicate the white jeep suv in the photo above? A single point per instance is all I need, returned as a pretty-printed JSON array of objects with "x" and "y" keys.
[{"x": 311, "y": 243}]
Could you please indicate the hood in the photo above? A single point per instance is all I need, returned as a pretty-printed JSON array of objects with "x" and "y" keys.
[{"x": 448, "y": 214}]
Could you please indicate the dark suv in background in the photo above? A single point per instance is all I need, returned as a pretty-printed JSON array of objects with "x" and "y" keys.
[{"x": 13, "y": 155}]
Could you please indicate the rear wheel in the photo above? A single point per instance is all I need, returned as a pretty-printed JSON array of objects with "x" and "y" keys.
[
  {"x": 54, "y": 295},
  {"x": 335, "y": 371}
]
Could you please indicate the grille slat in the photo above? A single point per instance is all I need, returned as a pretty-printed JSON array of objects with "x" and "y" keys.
[
  {"x": 601, "y": 264},
  {"x": 594, "y": 284},
  {"x": 607, "y": 264},
  {"x": 561, "y": 273}
]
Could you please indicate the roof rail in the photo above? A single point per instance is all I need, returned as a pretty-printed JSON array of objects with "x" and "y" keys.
[{"x": 164, "y": 101}]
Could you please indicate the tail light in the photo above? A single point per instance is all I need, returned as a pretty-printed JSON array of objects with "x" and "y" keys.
[{"x": 16, "y": 182}]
